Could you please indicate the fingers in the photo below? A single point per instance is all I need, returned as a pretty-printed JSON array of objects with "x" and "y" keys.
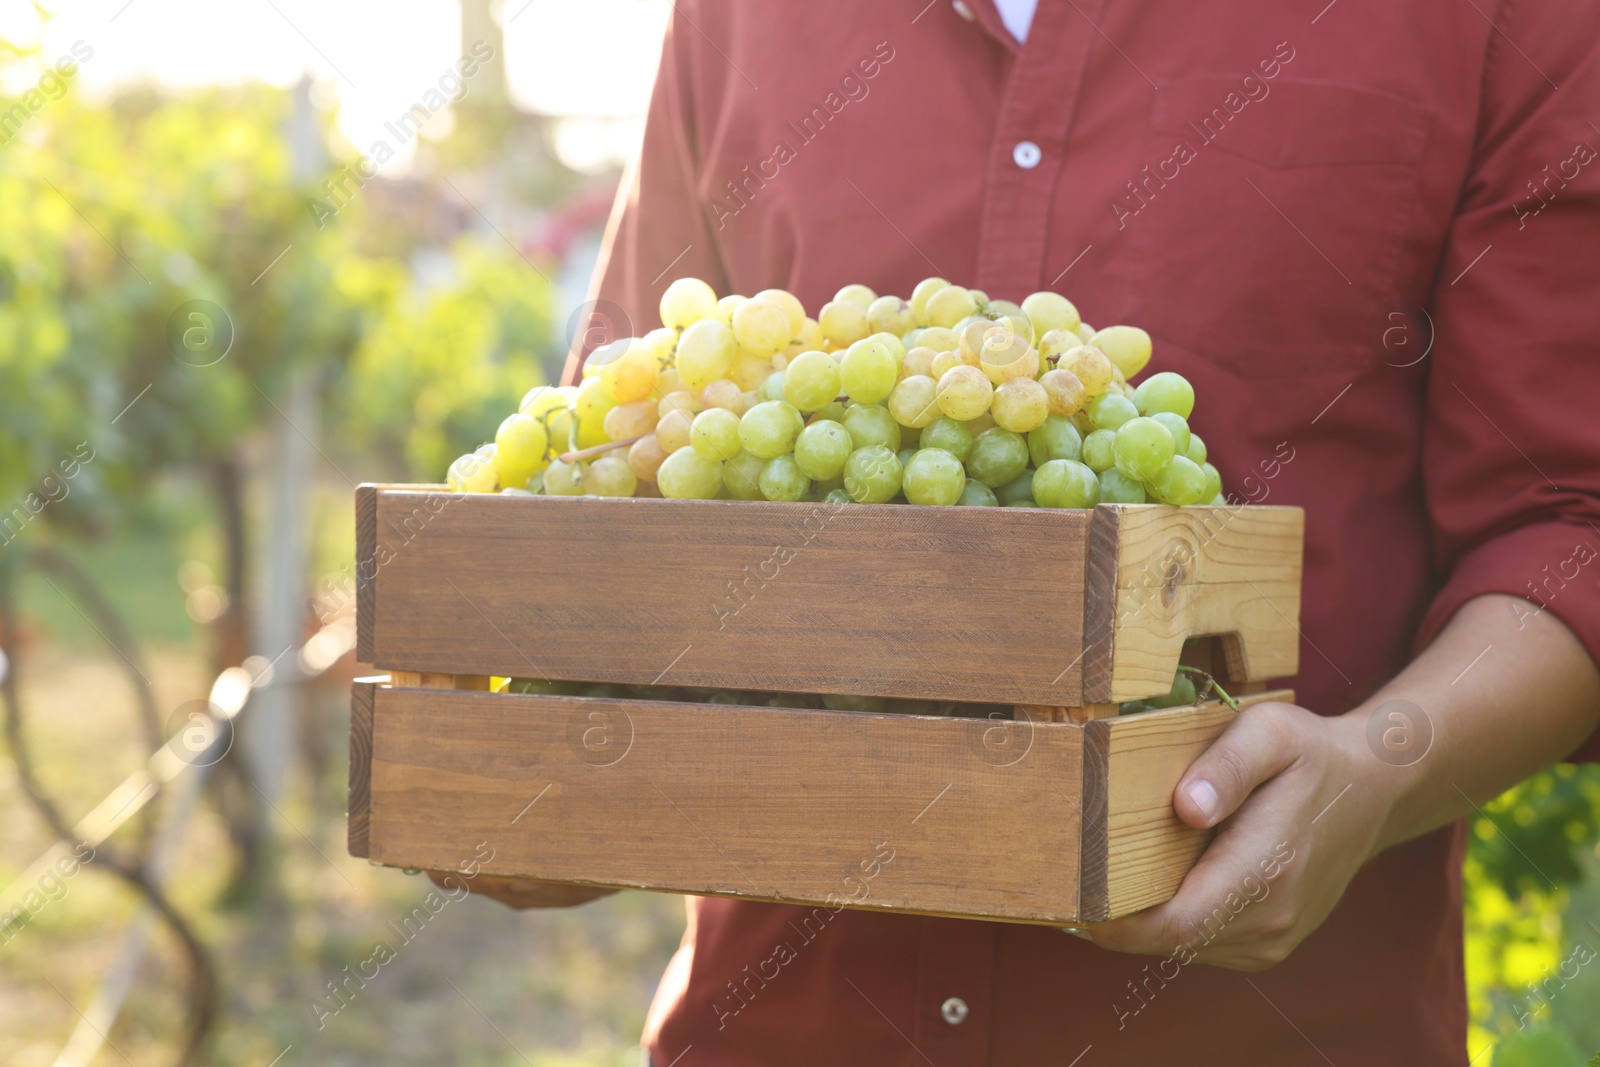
[{"x": 1261, "y": 743}]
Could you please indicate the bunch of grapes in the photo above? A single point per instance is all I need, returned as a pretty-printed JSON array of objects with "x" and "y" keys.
[{"x": 946, "y": 398}]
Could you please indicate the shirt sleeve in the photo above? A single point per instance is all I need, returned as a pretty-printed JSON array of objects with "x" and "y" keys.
[
  {"x": 1511, "y": 442},
  {"x": 659, "y": 228}
]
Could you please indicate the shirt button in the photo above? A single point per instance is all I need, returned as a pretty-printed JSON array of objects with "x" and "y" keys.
[
  {"x": 1026, "y": 155},
  {"x": 954, "y": 1011},
  {"x": 963, "y": 10}
]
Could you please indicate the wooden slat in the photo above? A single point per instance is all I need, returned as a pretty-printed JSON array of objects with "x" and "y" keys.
[
  {"x": 748, "y": 802},
  {"x": 360, "y": 796},
  {"x": 1159, "y": 575},
  {"x": 366, "y": 569},
  {"x": 1149, "y": 849},
  {"x": 971, "y": 604}
]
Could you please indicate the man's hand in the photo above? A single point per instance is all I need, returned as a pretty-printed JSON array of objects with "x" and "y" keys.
[
  {"x": 1300, "y": 807},
  {"x": 521, "y": 893}
]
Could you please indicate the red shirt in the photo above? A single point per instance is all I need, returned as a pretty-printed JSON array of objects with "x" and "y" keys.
[{"x": 1266, "y": 188}]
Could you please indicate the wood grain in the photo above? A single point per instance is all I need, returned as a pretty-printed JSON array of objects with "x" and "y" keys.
[
  {"x": 931, "y": 603},
  {"x": 366, "y": 569},
  {"x": 359, "y": 805},
  {"x": 768, "y": 804},
  {"x": 1158, "y": 575},
  {"x": 1150, "y": 850}
]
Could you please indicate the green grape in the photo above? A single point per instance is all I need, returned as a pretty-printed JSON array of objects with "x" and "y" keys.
[
  {"x": 1181, "y": 694},
  {"x": 1196, "y": 450},
  {"x": 782, "y": 479},
  {"x": 822, "y": 448},
  {"x": 741, "y": 475},
  {"x": 687, "y": 475},
  {"x": 521, "y": 446},
  {"x": 1165, "y": 391},
  {"x": 997, "y": 457},
  {"x": 948, "y": 434},
  {"x": 859, "y": 295},
  {"x": 472, "y": 473},
  {"x": 871, "y": 424},
  {"x": 1028, "y": 503},
  {"x": 1178, "y": 426},
  {"x": 839, "y": 702},
  {"x": 771, "y": 387},
  {"x": 833, "y": 412},
  {"x": 1128, "y": 347},
  {"x": 965, "y": 392},
  {"x": 715, "y": 434},
  {"x": 838, "y": 496},
  {"x": 686, "y": 301},
  {"x": 934, "y": 476},
  {"x": 896, "y": 347},
  {"x": 705, "y": 353},
  {"x": 904, "y": 456},
  {"x": 811, "y": 381},
  {"x": 919, "y": 298},
  {"x": 977, "y": 495},
  {"x": 872, "y": 475},
  {"x": 1144, "y": 448},
  {"x": 565, "y": 479},
  {"x": 1056, "y": 439},
  {"x": 891, "y": 314},
  {"x": 769, "y": 429},
  {"x": 1118, "y": 488},
  {"x": 1213, "y": 481},
  {"x": 1180, "y": 482},
  {"x": 1018, "y": 488},
  {"x": 868, "y": 372},
  {"x": 1065, "y": 483},
  {"x": 1100, "y": 450},
  {"x": 610, "y": 475},
  {"x": 1110, "y": 410},
  {"x": 914, "y": 401},
  {"x": 761, "y": 327},
  {"x": 948, "y": 306},
  {"x": 1020, "y": 405},
  {"x": 1049, "y": 311}
]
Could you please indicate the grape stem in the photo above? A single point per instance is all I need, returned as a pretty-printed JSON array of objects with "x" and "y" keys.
[
  {"x": 599, "y": 450},
  {"x": 1210, "y": 686}
]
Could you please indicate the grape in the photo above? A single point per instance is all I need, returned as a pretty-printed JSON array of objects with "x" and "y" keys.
[
  {"x": 565, "y": 479},
  {"x": 1056, "y": 438},
  {"x": 1178, "y": 427},
  {"x": 938, "y": 338},
  {"x": 1020, "y": 405},
  {"x": 872, "y": 475},
  {"x": 1196, "y": 450},
  {"x": 686, "y": 301},
  {"x": 782, "y": 479},
  {"x": 1179, "y": 482},
  {"x": 811, "y": 381},
  {"x": 964, "y": 393},
  {"x": 742, "y": 476},
  {"x": 1065, "y": 391},
  {"x": 896, "y": 347},
  {"x": 687, "y": 475},
  {"x": 1118, "y": 488},
  {"x": 541, "y": 400},
  {"x": 670, "y": 381},
  {"x": 589, "y": 410},
  {"x": 768, "y": 430},
  {"x": 904, "y": 456},
  {"x": 672, "y": 432},
  {"x": 1016, "y": 490},
  {"x": 679, "y": 400},
  {"x": 630, "y": 420},
  {"x": 871, "y": 424},
  {"x": 749, "y": 371},
  {"x": 970, "y": 335},
  {"x": 1213, "y": 481},
  {"x": 838, "y": 702},
  {"x": 705, "y": 353},
  {"x": 661, "y": 343},
  {"x": 748, "y": 398},
  {"x": 1017, "y": 323},
  {"x": 1085, "y": 332},
  {"x": 1005, "y": 356},
  {"x": 472, "y": 473},
  {"x": 934, "y": 476},
  {"x": 1165, "y": 391},
  {"x": 1049, "y": 311},
  {"x": 919, "y": 298},
  {"x": 1091, "y": 366},
  {"x": 978, "y": 425},
  {"x": 976, "y": 494},
  {"x": 1110, "y": 410},
  {"x": 1144, "y": 447},
  {"x": 728, "y": 305},
  {"x": 914, "y": 401},
  {"x": 947, "y": 434},
  {"x": 1062, "y": 483},
  {"x": 1020, "y": 504},
  {"x": 890, "y": 314},
  {"x": 838, "y": 496},
  {"x": 919, "y": 360},
  {"x": 646, "y": 457},
  {"x": 809, "y": 339},
  {"x": 843, "y": 324},
  {"x": 715, "y": 434},
  {"x": 949, "y": 305},
  {"x": 1053, "y": 344},
  {"x": 1099, "y": 450},
  {"x": 722, "y": 393},
  {"x": 868, "y": 372},
  {"x": 771, "y": 387},
  {"x": 857, "y": 295},
  {"x": 1181, "y": 693},
  {"x": 822, "y": 448},
  {"x": 1128, "y": 347},
  {"x": 792, "y": 309},
  {"x": 761, "y": 328},
  {"x": 631, "y": 375},
  {"x": 610, "y": 475},
  {"x": 521, "y": 447},
  {"x": 942, "y": 363},
  {"x": 833, "y": 412},
  {"x": 997, "y": 457}
]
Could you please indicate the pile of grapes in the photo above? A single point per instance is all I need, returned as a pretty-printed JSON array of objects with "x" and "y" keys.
[{"x": 946, "y": 398}]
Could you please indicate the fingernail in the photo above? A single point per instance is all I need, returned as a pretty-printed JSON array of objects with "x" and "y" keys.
[{"x": 1204, "y": 796}]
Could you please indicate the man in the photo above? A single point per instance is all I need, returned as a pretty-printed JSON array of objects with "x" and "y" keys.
[{"x": 1366, "y": 232}]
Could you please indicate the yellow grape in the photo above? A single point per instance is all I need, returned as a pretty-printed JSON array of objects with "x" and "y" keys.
[
  {"x": 750, "y": 370},
  {"x": 1020, "y": 405},
  {"x": 1017, "y": 324},
  {"x": 1127, "y": 347},
  {"x": 918, "y": 360},
  {"x": 1050, "y": 311},
  {"x": 761, "y": 328},
  {"x": 522, "y": 445},
  {"x": 856, "y": 295},
  {"x": 646, "y": 457},
  {"x": 687, "y": 475},
  {"x": 981, "y": 423},
  {"x": 1086, "y": 332},
  {"x": 943, "y": 362},
  {"x": 843, "y": 324},
  {"x": 632, "y": 374},
  {"x": 1005, "y": 356},
  {"x": 1091, "y": 366},
  {"x": 682, "y": 400},
  {"x": 939, "y": 339},
  {"x": 792, "y": 308},
  {"x": 964, "y": 392},
  {"x": 541, "y": 400},
  {"x": 950, "y": 305},
  {"x": 471, "y": 473},
  {"x": 747, "y": 400},
  {"x": 728, "y": 305},
  {"x": 915, "y": 402},
  {"x": 715, "y": 434},
  {"x": 919, "y": 299},
  {"x": 1065, "y": 391},
  {"x": 890, "y": 314},
  {"x": 661, "y": 342},
  {"x": 892, "y": 342},
  {"x": 669, "y": 382},
  {"x": 809, "y": 339},
  {"x": 687, "y": 301},
  {"x": 705, "y": 353},
  {"x": 672, "y": 432},
  {"x": 631, "y": 420},
  {"x": 1053, "y": 343},
  {"x": 970, "y": 338},
  {"x": 722, "y": 393},
  {"x": 610, "y": 475}
]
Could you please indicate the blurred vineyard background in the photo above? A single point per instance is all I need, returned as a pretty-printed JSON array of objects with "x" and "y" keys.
[{"x": 169, "y": 513}]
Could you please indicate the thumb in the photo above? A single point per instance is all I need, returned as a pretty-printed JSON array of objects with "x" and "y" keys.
[{"x": 1259, "y": 744}]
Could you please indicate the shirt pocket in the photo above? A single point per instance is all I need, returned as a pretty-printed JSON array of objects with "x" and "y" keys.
[{"x": 1265, "y": 238}]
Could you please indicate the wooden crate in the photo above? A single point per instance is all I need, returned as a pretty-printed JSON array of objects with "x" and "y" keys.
[{"x": 1060, "y": 815}]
